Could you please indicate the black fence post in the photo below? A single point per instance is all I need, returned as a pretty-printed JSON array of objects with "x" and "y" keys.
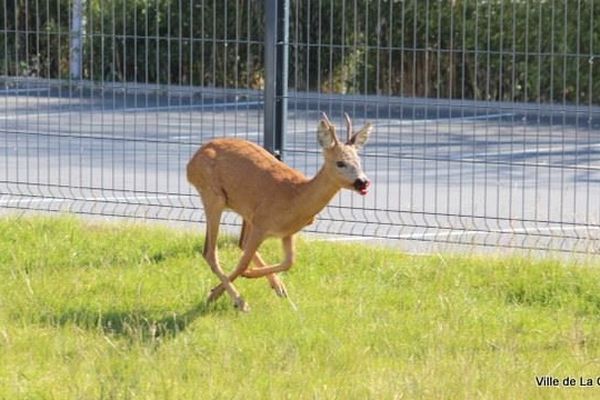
[{"x": 276, "y": 74}]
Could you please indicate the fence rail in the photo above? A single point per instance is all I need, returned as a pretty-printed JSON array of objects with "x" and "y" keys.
[{"x": 487, "y": 113}]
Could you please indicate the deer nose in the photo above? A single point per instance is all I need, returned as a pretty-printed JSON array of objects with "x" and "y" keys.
[{"x": 361, "y": 185}]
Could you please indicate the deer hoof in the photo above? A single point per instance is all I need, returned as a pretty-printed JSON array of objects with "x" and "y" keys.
[
  {"x": 280, "y": 290},
  {"x": 277, "y": 285},
  {"x": 241, "y": 305}
]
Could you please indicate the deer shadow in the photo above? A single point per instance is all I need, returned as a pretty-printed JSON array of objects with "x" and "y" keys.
[{"x": 136, "y": 325}]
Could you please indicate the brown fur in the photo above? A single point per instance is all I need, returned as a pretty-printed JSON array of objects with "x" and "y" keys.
[{"x": 272, "y": 198}]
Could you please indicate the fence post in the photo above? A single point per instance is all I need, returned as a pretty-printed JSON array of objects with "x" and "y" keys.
[
  {"x": 76, "y": 43},
  {"x": 276, "y": 74}
]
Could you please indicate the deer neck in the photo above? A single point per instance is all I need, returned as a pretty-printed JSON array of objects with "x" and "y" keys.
[{"x": 317, "y": 193}]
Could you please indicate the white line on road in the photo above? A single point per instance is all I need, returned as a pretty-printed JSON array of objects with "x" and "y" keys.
[
  {"x": 517, "y": 152},
  {"x": 433, "y": 121},
  {"x": 17, "y": 91},
  {"x": 134, "y": 109},
  {"x": 193, "y": 106}
]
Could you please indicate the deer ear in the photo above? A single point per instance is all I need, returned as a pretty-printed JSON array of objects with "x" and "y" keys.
[
  {"x": 360, "y": 138},
  {"x": 326, "y": 134}
]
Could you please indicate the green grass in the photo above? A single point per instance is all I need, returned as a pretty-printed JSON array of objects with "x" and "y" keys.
[{"x": 116, "y": 311}]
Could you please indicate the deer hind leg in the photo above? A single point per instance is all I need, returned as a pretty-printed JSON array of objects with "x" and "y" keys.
[
  {"x": 213, "y": 208},
  {"x": 288, "y": 248},
  {"x": 275, "y": 282},
  {"x": 253, "y": 241}
]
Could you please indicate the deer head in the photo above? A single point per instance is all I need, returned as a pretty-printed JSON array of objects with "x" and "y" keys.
[{"x": 341, "y": 159}]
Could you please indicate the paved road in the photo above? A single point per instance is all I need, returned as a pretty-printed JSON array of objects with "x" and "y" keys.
[{"x": 474, "y": 173}]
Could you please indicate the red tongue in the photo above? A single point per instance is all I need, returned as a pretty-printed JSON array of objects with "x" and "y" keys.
[{"x": 365, "y": 189}]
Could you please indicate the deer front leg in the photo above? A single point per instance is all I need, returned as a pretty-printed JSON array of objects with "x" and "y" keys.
[
  {"x": 288, "y": 248},
  {"x": 274, "y": 281}
]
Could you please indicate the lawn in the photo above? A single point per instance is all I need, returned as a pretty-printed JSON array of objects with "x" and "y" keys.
[{"x": 113, "y": 311}]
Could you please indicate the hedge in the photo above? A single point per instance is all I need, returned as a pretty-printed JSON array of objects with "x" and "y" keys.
[{"x": 519, "y": 50}]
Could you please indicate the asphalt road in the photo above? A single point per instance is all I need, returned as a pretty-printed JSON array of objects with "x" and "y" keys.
[{"x": 446, "y": 174}]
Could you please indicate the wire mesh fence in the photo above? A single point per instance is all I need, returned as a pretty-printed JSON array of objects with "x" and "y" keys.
[{"x": 486, "y": 112}]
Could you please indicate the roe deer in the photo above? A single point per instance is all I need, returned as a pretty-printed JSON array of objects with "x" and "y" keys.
[{"x": 273, "y": 199}]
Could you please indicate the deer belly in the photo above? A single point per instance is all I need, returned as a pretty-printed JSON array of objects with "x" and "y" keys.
[{"x": 290, "y": 228}]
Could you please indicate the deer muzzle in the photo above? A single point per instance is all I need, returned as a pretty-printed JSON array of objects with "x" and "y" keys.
[{"x": 362, "y": 185}]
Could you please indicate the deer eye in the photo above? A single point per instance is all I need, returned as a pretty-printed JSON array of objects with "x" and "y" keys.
[{"x": 340, "y": 164}]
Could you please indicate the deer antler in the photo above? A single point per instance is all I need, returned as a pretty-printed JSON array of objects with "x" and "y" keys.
[
  {"x": 325, "y": 118},
  {"x": 348, "y": 127}
]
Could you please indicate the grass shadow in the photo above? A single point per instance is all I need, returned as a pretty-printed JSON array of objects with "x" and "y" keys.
[{"x": 135, "y": 325}]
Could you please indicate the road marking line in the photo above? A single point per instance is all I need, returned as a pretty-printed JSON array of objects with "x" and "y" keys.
[
  {"x": 194, "y": 106},
  {"x": 547, "y": 150},
  {"x": 134, "y": 109},
  {"x": 16, "y": 91},
  {"x": 432, "y": 121}
]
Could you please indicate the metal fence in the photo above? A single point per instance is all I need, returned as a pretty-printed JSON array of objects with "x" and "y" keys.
[{"x": 486, "y": 112}]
